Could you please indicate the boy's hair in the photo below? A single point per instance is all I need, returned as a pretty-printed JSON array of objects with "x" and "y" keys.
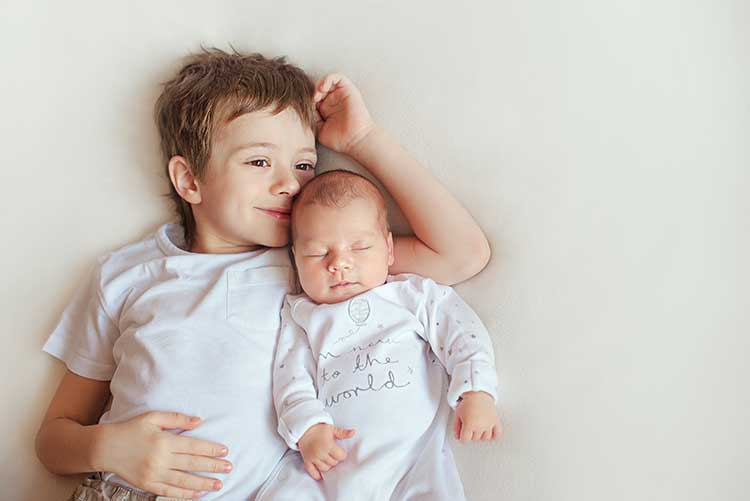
[
  {"x": 213, "y": 88},
  {"x": 336, "y": 188}
]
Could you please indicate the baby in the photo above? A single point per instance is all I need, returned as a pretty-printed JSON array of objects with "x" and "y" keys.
[{"x": 369, "y": 351}]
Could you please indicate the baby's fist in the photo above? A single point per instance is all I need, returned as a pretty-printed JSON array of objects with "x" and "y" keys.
[
  {"x": 319, "y": 449},
  {"x": 476, "y": 417}
]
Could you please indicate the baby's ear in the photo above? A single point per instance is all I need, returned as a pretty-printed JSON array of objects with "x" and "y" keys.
[{"x": 182, "y": 178}]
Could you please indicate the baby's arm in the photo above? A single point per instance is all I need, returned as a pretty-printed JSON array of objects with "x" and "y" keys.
[
  {"x": 138, "y": 450},
  {"x": 303, "y": 422},
  {"x": 460, "y": 341},
  {"x": 448, "y": 245}
]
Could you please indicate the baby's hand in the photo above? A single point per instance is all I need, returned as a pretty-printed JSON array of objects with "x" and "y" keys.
[
  {"x": 319, "y": 449},
  {"x": 343, "y": 119},
  {"x": 476, "y": 417}
]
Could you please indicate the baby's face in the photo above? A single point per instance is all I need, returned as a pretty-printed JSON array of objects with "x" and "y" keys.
[{"x": 341, "y": 252}]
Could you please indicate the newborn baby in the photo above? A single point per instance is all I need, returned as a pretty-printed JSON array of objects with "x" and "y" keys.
[{"x": 360, "y": 382}]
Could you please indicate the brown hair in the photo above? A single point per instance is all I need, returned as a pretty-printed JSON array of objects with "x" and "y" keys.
[
  {"x": 336, "y": 188},
  {"x": 212, "y": 89}
]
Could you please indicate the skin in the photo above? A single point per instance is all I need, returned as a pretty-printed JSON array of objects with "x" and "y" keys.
[
  {"x": 341, "y": 252},
  {"x": 228, "y": 205}
]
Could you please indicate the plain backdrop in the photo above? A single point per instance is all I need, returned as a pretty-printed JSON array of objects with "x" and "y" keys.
[{"x": 602, "y": 146}]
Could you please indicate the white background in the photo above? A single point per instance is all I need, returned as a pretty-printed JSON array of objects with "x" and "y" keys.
[{"x": 602, "y": 145}]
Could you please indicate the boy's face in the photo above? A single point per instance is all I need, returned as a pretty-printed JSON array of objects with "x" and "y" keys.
[
  {"x": 258, "y": 163},
  {"x": 341, "y": 252}
]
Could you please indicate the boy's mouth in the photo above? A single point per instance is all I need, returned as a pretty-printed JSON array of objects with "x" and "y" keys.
[{"x": 280, "y": 213}]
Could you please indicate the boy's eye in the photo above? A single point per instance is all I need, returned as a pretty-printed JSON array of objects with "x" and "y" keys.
[
  {"x": 260, "y": 162},
  {"x": 305, "y": 166},
  {"x": 315, "y": 255},
  {"x": 362, "y": 248}
]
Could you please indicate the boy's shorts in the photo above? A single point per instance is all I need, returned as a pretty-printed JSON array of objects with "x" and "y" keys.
[{"x": 96, "y": 489}]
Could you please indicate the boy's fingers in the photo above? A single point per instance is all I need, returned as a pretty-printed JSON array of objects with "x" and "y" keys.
[
  {"x": 457, "y": 428},
  {"x": 171, "y": 491},
  {"x": 173, "y": 420},
  {"x": 312, "y": 471},
  {"x": 485, "y": 435},
  {"x": 188, "y": 462},
  {"x": 329, "y": 82},
  {"x": 192, "y": 482},
  {"x": 198, "y": 447}
]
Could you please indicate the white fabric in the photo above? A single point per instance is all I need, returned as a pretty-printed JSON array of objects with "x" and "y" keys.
[
  {"x": 377, "y": 363},
  {"x": 193, "y": 333}
]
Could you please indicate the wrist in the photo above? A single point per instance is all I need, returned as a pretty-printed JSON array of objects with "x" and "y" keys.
[
  {"x": 100, "y": 447},
  {"x": 312, "y": 430},
  {"x": 360, "y": 140},
  {"x": 476, "y": 395}
]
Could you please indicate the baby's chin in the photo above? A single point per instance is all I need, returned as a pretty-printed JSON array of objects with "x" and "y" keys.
[{"x": 337, "y": 295}]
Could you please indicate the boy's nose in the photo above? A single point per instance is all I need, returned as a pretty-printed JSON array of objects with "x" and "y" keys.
[{"x": 286, "y": 183}]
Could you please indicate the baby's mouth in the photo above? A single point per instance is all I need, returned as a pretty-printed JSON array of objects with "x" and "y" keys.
[{"x": 343, "y": 284}]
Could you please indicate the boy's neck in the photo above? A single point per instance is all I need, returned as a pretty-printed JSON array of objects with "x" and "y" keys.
[{"x": 210, "y": 244}]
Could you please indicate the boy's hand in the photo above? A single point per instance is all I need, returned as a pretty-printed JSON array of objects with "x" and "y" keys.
[
  {"x": 319, "y": 449},
  {"x": 476, "y": 417},
  {"x": 150, "y": 458},
  {"x": 343, "y": 119}
]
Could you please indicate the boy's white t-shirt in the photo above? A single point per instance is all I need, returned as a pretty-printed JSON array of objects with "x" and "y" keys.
[
  {"x": 193, "y": 333},
  {"x": 377, "y": 363}
]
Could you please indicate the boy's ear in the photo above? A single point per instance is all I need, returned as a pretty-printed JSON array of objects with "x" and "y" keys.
[
  {"x": 391, "y": 258},
  {"x": 183, "y": 180}
]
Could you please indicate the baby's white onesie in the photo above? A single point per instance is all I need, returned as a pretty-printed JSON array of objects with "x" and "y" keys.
[{"x": 377, "y": 363}]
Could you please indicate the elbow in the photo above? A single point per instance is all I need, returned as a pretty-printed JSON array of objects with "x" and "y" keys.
[
  {"x": 474, "y": 259},
  {"x": 41, "y": 449},
  {"x": 480, "y": 258}
]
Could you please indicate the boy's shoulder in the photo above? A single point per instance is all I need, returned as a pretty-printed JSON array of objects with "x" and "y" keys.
[{"x": 132, "y": 255}]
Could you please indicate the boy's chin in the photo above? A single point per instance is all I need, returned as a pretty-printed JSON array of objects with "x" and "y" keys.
[{"x": 281, "y": 240}]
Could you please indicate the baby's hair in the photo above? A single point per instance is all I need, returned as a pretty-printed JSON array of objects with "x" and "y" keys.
[
  {"x": 337, "y": 188},
  {"x": 212, "y": 89}
]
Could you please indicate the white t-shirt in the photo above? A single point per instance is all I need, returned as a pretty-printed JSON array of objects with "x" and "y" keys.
[
  {"x": 193, "y": 333},
  {"x": 378, "y": 363}
]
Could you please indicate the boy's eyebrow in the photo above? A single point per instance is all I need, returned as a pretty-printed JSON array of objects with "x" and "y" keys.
[
  {"x": 272, "y": 146},
  {"x": 255, "y": 145}
]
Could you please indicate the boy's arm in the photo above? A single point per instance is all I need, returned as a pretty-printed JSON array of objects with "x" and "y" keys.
[
  {"x": 295, "y": 394},
  {"x": 138, "y": 450},
  {"x": 448, "y": 245}
]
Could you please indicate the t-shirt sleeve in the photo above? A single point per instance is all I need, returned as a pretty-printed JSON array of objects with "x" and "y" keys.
[
  {"x": 458, "y": 337},
  {"x": 85, "y": 335}
]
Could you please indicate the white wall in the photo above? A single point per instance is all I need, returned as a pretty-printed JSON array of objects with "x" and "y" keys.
[{"x": 602, "y": 145}]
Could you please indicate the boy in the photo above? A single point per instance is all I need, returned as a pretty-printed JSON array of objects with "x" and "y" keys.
[
  {"x": 178, "y": 331},
  {"x": 367, "y": 350}
]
